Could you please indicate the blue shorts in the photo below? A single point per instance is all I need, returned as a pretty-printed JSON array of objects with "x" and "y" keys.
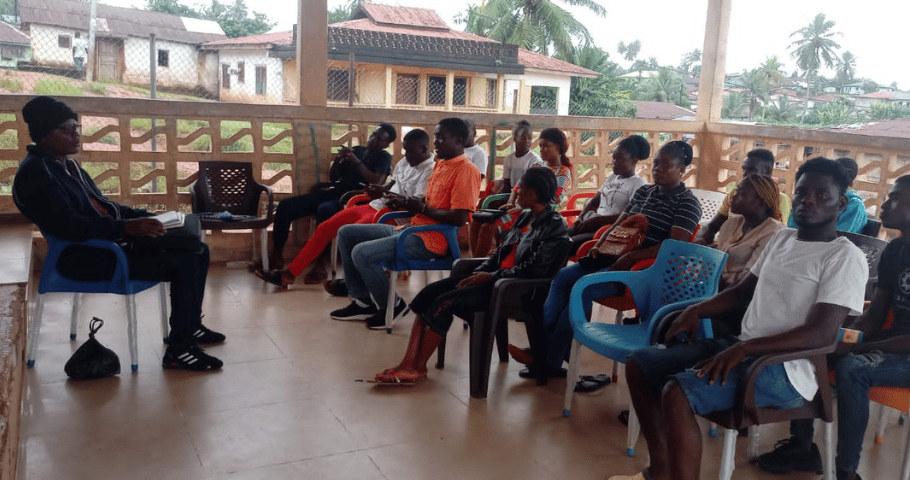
[{"x": 772, "y": 389}]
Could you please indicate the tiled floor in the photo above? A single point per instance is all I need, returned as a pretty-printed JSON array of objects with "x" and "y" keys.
[{"x": 291, "y": 403}]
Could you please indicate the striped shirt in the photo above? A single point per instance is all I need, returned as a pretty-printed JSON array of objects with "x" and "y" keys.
[{"x": 665, "y": 210}]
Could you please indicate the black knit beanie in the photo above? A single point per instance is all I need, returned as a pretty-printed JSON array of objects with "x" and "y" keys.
[
  {"x": 543, "y": 181},
  {"x": 43, "y": 114}
]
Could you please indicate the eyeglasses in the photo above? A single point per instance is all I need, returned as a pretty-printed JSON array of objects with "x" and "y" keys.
[{"x": 71, "y": 129}]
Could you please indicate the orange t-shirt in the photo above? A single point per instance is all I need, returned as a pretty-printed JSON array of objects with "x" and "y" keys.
[{"x": 453, "y": 185}]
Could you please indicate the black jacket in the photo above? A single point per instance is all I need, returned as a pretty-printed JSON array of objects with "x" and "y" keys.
[
  {"x": 48, "y": 196},
  {"x": 542, "y": 252}
]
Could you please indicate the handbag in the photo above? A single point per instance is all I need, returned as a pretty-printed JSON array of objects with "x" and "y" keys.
[
  {"x": 92, "y": 359},
  {"x": 626, "y": 237}
]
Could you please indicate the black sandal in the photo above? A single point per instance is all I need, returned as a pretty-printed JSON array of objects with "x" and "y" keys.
[{"x": 591, "y": 383}]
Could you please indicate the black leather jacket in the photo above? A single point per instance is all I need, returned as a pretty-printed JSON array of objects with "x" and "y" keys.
[
  {"x": 542, "y": 251},
  {"x": 48, "y": 196}
]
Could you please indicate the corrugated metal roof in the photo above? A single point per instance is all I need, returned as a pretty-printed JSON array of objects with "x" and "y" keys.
[
  {"x": 661, "y": 110},
  {"x": 403, "y": 16},
  {"x": 277, "y": 38},
  {"x": 897, "y": 128},
  {"x": 542, "y": 62},
  {"x": 118, "y": 21},
  {"x": 11, "y": 35}
]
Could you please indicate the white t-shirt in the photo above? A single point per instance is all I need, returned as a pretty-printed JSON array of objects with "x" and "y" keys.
[
  {"x": 80, "y": 47},
  {"x": 616, "y": 193},
  {"x": 409, "y": 181},
  {"x": 792, "y": 276},
  {"x": 477, "y": 156},
  {"x": 514, "y": 167}
]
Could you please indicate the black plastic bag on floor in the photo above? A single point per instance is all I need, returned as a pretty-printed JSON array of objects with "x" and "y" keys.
[{"x": 92, "y": 359}]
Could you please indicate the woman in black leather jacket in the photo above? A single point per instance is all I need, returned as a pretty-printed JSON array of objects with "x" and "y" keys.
[{"x": 537, "y": 246}]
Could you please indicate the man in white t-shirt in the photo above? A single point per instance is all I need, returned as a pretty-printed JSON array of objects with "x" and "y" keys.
[
  {"x": 475, "y": 153},
  {"x": 80, "y": 50},
  {"x": 798, "y": 293}
]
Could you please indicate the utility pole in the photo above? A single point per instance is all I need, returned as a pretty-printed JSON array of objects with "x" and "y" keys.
[{"x": 89, "y": 73}]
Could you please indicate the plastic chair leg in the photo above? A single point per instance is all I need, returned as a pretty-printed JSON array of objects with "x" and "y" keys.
[
  {"x": 481, "y": 352},
  {"x": 441, "y": 353},
  {"x": 131, "y": 331},
  {"x": 33, "y": 331},
  {"x": 905, "y": 469},
  {"x": 828, "y": 459},
  {"x": 633, "y": 432},
  {"x": 74, "y": 315},
  {"x": 753, "y": 443},
  {"x": 502, "y": 339},
  {"x": 162, "y": 300},
  {"x": 264, "y": 247},
  {"x": 334, "y": 254},
  {"x": 570, "y": 378},
  {"x": 390, "y": 304},
  {"x": 727, "y": 457}
]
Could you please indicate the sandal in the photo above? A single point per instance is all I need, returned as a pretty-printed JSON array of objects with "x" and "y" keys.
[
  {"x": 521, "y": 355},
  {"x": 392, "y": 377},
  {"x": 591, "y": 383},
  {"x": 315, "y": 277},
  {"x": 281, "y": 278}
]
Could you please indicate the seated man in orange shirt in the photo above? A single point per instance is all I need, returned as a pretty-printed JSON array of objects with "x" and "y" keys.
[{"x": 451, "y": 195}]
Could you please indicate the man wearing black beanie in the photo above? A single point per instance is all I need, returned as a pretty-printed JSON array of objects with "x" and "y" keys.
[{"x": 51, "y": 190}]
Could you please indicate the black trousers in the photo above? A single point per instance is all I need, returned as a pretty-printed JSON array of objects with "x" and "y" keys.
[
  {"x": 322, "y": 203},
  {"x": 186, "y": 270},
  {"x": 439, "y": 302}
]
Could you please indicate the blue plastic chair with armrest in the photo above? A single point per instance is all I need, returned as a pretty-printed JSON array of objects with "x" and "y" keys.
[
  {"x": 402, "y": 262},
  {"x": 53, "y": 282},
  {"x": 682, "y": 272}
]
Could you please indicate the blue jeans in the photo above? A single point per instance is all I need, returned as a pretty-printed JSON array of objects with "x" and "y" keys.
[
  {"x": 855, "y": 374},
  {"x": 556, "y": 310},
  {"x": 364, "y": 248}
]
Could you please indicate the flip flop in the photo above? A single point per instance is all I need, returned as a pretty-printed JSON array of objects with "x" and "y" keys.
[
  {"x": 393, "y": 377},
  {"x": 591, "y": 383}
]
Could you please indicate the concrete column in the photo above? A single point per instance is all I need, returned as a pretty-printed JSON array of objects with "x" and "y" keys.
[
  {"x": 450, "y": 90},
  {"x": 714, "y": 60},
  {"x": 312, "y": 51},
  {"x": 500, "y": 92}
]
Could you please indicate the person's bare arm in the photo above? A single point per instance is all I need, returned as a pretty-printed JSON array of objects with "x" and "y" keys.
[
  {"x": 736, "y": 297},
  {"x": 707, "y": 232},
  {"x": 456, "y": 217},
  {"x": 820, "y": 329}
]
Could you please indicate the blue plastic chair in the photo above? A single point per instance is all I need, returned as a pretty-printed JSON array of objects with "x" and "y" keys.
[
  {"x": 402, "y": 262},
  {"x": 683, "y": 273},
  {"x": 53, "y": 282}
]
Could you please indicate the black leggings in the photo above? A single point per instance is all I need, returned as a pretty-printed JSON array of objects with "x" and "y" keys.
[{"x": 439, "y": 302}]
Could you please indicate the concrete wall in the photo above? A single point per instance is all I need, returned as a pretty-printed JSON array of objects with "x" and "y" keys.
[
  {"x": 274, "y": 88},
  {"x": 182, "y": 69},
  {"x": 45, "y": 46}
]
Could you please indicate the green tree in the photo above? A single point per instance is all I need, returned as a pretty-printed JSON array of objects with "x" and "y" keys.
[
  {"x": 630, "y": 51},
  {"x": 234, "y": 19},
  {"x": 846, "y": 70},
  {"x": 603, "y": 96},
  {"x": 757, "y": 89},
  {"x": 344, "y": 12},
  {"x": 537, "y": 25},
  {"x": 667, "y": 86},
  {"x": 733, "y": 106},
  {"x": 784, "y": 111},
  {"x": 690, "y": 61},
  {"x": 837, "y": 112},
  {"x": 773, "y": 71},
  {"x": 814, "y": 47}
]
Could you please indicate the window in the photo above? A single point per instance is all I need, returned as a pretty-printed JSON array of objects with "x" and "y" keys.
[
  {"x": 240, "y": 72},
  {"x": 338, "y": 85},
  {"x": 9, "y": 52},
  {"x": 162, "y": 58},
  {"x": 436, "y": 91},
  {"x": 260, "y": 80},
  {"x": 406, "y": 89},
  {"x": 226, "y": 76},
  {"x": 459, "y": 91},
  {"x": 491, "y": 92},
  {"x": 65, "y": 41},
  {"x": 544, "y": 100}
]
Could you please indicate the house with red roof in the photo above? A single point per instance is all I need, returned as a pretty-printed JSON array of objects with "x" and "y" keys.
[
  {"x": 15, "y": 46},
  {"x": 404, "y": 58}
]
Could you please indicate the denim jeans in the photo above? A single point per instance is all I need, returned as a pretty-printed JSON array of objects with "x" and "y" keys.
[
  {"x": 855, "y": 374},
  {"x": 556, "y": 311},
  {"x": 364, "y": 248}
]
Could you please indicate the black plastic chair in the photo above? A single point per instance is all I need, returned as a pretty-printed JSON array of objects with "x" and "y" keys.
[
  {"x": 230, "y": 187},
  {"x": 872, "y": 227},
  {"x": 872, "y": 248}
]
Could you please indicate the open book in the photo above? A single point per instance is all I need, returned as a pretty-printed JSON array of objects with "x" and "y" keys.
[{"x": 171, "y": 219}]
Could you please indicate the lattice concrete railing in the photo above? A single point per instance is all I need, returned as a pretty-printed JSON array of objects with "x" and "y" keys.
[{"x": 145, "y": 152}]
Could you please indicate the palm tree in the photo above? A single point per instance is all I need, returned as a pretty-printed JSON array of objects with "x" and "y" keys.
[
  {"x": 773, "y": 71},
  {"x": 630, "y": 51},
  {"x": 757, "y": 88},
  {"x": 814, "y": 47},
  {"x": 536, "y": 25},
  {"x": 781, "y": 112},
  {"x": 733, "y": 105},
  {"x": 667, "y": 86},
  {"x": 846, "y": 70}
]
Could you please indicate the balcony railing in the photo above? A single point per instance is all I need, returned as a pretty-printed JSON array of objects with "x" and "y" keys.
[{"x": 145, "y": 152}]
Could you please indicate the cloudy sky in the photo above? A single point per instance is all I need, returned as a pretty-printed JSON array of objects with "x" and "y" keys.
[{"x": 873, "y": 30}]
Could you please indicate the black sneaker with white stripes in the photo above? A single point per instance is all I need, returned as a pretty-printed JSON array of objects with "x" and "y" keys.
[
  {"x": 203, "y": 336},
  {"x": 377, "y": 321},
  {"x": 190, "y": 357}
]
